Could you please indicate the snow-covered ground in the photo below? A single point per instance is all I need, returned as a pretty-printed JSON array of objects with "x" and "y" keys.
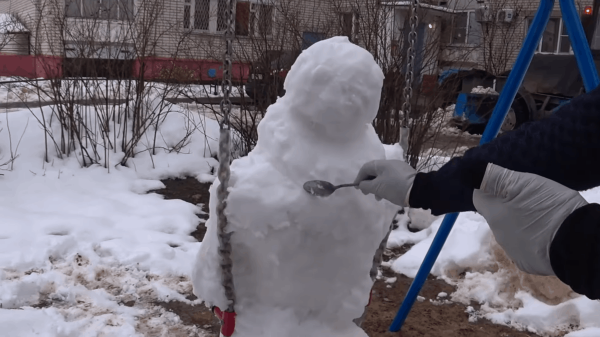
[
  {"x": 87, "y": 252},
  {"x": 78, "y": 243}
]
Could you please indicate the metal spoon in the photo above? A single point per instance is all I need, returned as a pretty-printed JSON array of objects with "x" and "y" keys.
[{"x": 320, "y": 188}]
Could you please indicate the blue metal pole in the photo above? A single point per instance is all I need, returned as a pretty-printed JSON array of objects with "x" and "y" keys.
[
  {"x": 505, "y": 100},
  {"x": 580, "y": 46}
]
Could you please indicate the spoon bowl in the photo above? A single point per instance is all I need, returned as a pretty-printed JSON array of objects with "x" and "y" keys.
[{"x": 321, "y": 188}]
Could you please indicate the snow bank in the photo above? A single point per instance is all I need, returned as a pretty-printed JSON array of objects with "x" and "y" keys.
[
  {"x": 394, "y": 151},
  {"x": 486, "y": 91},
  {"x": 456, "y": 255},
  {"x": 301, "y": 263},
  {"x": 77, "y": 243}
]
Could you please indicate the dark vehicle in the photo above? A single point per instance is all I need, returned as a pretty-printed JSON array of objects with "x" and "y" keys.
[
  {"x": 265, "y": 82},
  {"x": 551, "y": 81}
]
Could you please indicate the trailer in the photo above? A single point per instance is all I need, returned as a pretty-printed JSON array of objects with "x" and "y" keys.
[{"x": 551, "y": 82}]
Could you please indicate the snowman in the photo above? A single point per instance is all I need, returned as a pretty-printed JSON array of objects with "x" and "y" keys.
[{"x": 301, "y": 263}]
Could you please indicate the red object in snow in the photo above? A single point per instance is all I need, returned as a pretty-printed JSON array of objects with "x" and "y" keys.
[
  {"x": 428, "y": 84},
  {"x": 227, "y": 321}
]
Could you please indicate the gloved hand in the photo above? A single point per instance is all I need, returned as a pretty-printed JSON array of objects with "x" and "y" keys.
[
  {"x": 387, "y": 179},
  {"x": 524, "y": 212}
]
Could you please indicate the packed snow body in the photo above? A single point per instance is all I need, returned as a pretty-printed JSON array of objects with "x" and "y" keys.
[{"x": 301, "y": 263}]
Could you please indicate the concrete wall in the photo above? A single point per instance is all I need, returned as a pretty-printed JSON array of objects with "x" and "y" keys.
[
  {"x": 291, "y": 19},
  {"x": 4, "y": 6}
]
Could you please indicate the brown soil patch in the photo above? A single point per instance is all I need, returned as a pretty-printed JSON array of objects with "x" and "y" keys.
[
  {"x": 198, "y": 315},
  {"x": 192, "y": 191},
  {"x": 425, "y": 318}
]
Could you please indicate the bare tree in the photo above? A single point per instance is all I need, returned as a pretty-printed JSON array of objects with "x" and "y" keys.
[
  {"x": 269, "y": 37},
  {"x": 383, "y": 30},
  {"x": 498, "y": 36}
]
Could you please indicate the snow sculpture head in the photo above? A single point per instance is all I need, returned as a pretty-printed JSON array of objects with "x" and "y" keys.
[{"x": 335, "y": 85}]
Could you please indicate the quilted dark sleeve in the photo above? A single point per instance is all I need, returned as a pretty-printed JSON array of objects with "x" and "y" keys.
[
  {"x": 564, "y": 147},
  {"x": 575, "y": 251}
]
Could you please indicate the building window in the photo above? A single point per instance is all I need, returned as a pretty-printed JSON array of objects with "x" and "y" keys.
[
  {"x": 555, "y": 39},
  {"x": 187, "y": 14},
  {"x": 242, "y": 18},
  {"x": 465, "y": 29},
  {"x": 221, "y": 15},
  {"x": 264, "y": 19},
  {"x": 349, "y": 25},
  {"x": 310, "y": 38},
  {"x": 254, "y": 18},
  {"x": 205, "y": 15},
  {"x": 596, "y": 37},
  {"x": 100, "y": 9}
]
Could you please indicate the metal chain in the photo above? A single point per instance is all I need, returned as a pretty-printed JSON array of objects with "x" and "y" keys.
[
  {"x": 406, "y": 108},
  {"x": 226, "y": 261},
  {"x": 410, "y": 58}
]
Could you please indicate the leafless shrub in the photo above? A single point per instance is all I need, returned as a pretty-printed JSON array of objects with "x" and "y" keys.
[
  {"x": 99, "y": 106},
  {"x": 13, "y": 149},
  {"x": 498, "y": 47}
]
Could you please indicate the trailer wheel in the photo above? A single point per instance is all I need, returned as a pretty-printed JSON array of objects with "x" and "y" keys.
[
  {"x": 510, "y": 122},
  {"x": 517, "y": 115}
]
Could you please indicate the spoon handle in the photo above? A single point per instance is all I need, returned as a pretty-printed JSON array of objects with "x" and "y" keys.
[
  {"x": 346, "y": 185},
  {"x": 352, "y": 185}
]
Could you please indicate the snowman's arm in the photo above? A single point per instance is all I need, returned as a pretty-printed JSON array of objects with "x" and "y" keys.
[{"x": 564, "y": 147}]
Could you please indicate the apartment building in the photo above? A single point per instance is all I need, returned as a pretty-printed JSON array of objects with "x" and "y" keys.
[
  {"x": 478, "y": 34},
  {"x": 65, "y": 38}
]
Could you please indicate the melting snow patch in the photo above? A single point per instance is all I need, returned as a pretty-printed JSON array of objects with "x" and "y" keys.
[
  {"x": 85, "y": 251},
  {"x": 481, "y": 90}
]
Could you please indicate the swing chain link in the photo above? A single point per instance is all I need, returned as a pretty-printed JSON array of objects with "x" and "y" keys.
[
  {"x": 410, "y": 57},
  {"x": 406, "y": 108},
  {"x": 226, "y": 262}
]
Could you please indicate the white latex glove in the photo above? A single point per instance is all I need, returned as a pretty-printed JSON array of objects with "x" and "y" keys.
[
  {"x": 387, "y": 179},
  {"x": 524, "y": 212}
]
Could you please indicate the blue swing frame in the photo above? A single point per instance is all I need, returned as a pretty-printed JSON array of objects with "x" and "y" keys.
[{"x": 591, "y": 80}]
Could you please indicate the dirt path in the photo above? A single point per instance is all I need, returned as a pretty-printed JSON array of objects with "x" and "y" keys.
[
  {"x": 427, "y": 318},
  {"x": 194, "y": 192}
]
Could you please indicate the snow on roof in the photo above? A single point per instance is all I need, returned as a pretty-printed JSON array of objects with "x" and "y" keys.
[
  {"x": 428, "y": 6},
  {"x": 10, "y": 24}
]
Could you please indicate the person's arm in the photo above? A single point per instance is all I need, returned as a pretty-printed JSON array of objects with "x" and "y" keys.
[
  {"x": 575, "y": 251},
  {"x": 564, "y": 148},
  {"x": 543, "y": 226}
]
